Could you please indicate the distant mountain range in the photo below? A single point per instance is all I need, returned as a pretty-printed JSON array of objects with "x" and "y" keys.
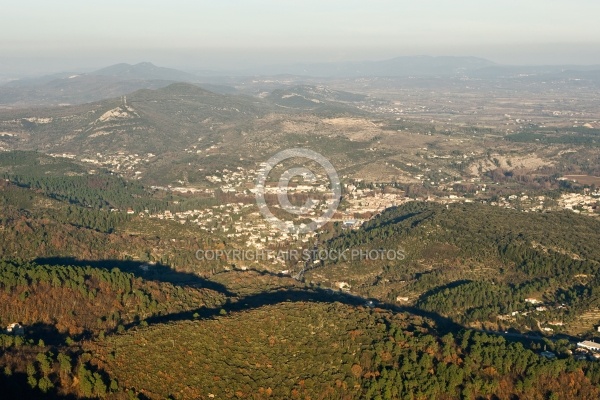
[
  {"x": 105, "y": 83},
  {"x": 120, "y": 79}
]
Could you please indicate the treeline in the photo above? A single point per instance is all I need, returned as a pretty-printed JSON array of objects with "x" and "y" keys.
[
  {"x": 474, "y": 301},
  {"x": 17, "y": 201},
  {"x": 35, "y": 227}
]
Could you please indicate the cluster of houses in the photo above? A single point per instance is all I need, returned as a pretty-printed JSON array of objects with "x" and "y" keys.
[
  {"x": 580, "y": 202},
  {"x": 522, "y": 202},
  {"x": 121, "y": 162},
  {"x": 238, "y": 222},
  {"x": 536, "y": 307},
  {"x": 362, "y": 201},
  {"x": 232, "y": 181}
]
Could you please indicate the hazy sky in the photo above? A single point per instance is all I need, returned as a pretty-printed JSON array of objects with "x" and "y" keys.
[{"x": 234, "y": 33}]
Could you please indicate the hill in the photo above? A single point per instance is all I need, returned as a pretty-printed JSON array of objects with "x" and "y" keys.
[
  {"x": 146, "y": 121},
  {"x": 305, "y": 349},
  {"x": 477, "y": 264},
  {"x": 145, "y": 71},
  {"x": 70, "y": 90},
  {"x": 312, "y": 98}
]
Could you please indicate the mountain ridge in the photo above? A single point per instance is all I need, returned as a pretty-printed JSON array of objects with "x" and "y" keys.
[{"x": 145, "y": 71}]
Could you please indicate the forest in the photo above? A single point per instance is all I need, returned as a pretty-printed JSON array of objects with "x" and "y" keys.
[{"x": 474, "y": 262}]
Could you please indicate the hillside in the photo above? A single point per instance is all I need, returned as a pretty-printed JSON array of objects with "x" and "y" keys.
[
  {"x": 321, "y": 350},
  {"x": 146, "y": 121},
  {"x": 477, "y": 264}
]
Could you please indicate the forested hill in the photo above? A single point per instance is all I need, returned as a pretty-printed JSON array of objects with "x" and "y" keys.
[
  {"x": 480, "y": 231},
  {"x": 475, "y": 262}
]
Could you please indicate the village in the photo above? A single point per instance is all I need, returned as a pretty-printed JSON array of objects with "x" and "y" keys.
[{"x": 241, "y": 223}]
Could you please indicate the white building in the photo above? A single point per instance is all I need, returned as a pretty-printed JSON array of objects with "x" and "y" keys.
[{"x": 586, "y": 344}]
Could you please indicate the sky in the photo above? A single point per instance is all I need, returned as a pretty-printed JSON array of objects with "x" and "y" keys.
[{"x": 235, "y": 34}]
